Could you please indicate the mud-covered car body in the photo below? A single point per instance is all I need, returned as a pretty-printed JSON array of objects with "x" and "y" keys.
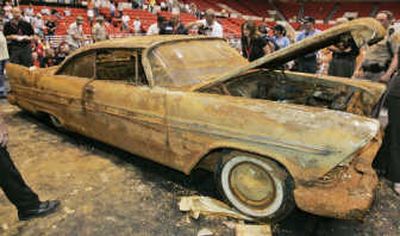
[{"x": 184, "y": 101}]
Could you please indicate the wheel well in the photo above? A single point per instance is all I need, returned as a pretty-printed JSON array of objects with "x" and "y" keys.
[
  {"x": 47, "y": 117},
  {"x": 209, "y": 160}
]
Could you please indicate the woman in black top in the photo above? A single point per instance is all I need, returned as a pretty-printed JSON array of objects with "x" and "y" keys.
[
  {"x": 253, "y": 45},
  {"x": 344, "y": 55}
]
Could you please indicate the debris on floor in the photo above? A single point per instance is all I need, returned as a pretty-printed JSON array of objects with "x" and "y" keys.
[
  {"x": 197, "y": 205},
  {"x": 253, "y": 230},
  {"x": 205, "y": 232}
]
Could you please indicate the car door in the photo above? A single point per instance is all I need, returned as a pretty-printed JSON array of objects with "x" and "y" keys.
[
  {"x": 123, "y": 110},
  {"x": 61, "y": 93}
]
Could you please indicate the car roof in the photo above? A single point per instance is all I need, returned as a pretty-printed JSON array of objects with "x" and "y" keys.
[{"x": 136, "y": 41}]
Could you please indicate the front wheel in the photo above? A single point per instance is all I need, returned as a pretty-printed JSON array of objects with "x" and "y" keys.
[{"x": 258, "y": 187}]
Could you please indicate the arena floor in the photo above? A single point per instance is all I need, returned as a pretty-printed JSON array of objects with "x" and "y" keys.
[{"x": 105, "y": 191}]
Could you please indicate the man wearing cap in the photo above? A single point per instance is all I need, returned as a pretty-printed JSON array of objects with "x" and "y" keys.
[
  {"x": 380, "y": 61},
  {"x": 75, "y": 34},
  {"x": 19, "y": 36},
  {"x": 99, "y": 31},
  {"x": 209, "y": 25},
  {"x": 307, "y": 63}
]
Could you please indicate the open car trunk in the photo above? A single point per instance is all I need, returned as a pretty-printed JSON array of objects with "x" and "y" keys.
[{"x": 358, "y": 97}]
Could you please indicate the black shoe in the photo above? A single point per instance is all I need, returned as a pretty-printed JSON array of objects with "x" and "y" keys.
[{"x": 44, "y": 209}]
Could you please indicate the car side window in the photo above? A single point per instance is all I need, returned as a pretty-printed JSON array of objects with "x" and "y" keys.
[
  {"x": 82, "y": 66},
  {"x": 115, "y": 65},
  {"x": 119, "y": 64}
]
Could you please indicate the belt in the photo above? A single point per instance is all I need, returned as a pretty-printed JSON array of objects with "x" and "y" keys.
[
  {"x": 374, "y": 68},
  {"x": 308, "y": 57}
]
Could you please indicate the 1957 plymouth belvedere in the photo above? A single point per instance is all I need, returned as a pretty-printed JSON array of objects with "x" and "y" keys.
[{"x": 273, "y": 138}]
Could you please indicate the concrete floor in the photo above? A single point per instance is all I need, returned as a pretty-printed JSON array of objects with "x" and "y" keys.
[{"x": 105, "y": 191}]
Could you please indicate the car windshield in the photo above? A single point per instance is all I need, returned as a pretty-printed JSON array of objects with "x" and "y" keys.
[{"x": 186, "y": 63}]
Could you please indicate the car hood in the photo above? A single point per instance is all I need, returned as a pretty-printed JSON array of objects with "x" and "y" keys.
[{"x": 363, "y": 31}]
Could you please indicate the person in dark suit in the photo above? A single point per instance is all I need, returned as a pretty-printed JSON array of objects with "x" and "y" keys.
[
  {"x": 17, "y": 191},
  {"x": 387, "y": 161}
]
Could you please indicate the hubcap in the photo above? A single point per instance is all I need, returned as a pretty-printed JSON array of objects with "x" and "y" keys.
[{"x": 252, "y": 185}]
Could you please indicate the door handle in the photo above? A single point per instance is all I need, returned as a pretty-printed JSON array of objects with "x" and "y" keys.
[{"x": 89, "y": 89}]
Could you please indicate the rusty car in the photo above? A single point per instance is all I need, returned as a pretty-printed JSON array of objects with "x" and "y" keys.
[{"x": 273, "y": 138}]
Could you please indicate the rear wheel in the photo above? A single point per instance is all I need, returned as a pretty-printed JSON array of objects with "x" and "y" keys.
[{"x": 256, "y": 186}]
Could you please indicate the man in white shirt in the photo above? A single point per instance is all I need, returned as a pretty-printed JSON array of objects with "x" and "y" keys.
[
  {"x": 76, "y": 36},
  {"x": 99, "y": 31},
  {"x": 125, "y": 21},
  {"x": 209, "y": 25}
]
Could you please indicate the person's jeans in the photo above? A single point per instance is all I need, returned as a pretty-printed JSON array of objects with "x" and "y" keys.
[{"x": 13, "y": 184}]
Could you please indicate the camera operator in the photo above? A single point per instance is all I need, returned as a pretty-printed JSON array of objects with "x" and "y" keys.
[{"x": 209, "y": 25}]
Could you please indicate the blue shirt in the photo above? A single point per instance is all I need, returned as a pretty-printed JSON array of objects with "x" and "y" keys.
[
  {"x": 282, "y": 42},
  {"x": 303, "y": 34}
]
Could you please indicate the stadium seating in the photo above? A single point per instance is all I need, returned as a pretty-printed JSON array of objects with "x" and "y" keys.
[
  {"x": 391, "y": 6},
  {"x": 363, "y": 9},
  {"x": 231, "y": 25},
  {"x": 289, "y": 10},
  {"x": 318, "y": 10},
  {"x": 204, "y": 4}
]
